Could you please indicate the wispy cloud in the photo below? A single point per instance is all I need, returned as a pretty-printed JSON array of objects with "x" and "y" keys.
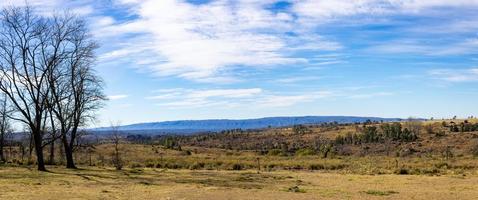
[
  {"x": 290, "y": 100},
  {"x": 232, "y": 97},
  {"x": 370, "y": 95},
  {"x": 198, "y": 42},
  {"x": 253, "y": 97},
  {"x": 467, "y": 46},
  {"x": 48, "y": 7},
  {"x": 117, "y": 97},
  {"x": 455, "y": 75},
  {"x": 298, "y": 79}
]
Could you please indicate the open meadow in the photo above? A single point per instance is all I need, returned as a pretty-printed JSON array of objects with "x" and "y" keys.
[
  {"x": 300, "y": 162},
  {"x": 106, "y": 183}
]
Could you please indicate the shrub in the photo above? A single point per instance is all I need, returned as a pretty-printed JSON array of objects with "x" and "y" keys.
[
  {"x": 442, "y": 165},
  {"x": 172, "y": 166},
  {"x": 237, "y": 166},
  {"x": 197, "y": 165},
  {"x": 136, "y": 165},
  {"x": 316, "y": 166},
  {"x": 402, "y": 171},
  {"x": 270, "y": 167},
  {"x": 274, "y": 152},
  {"x": 296, "y": 189},
  {"x": 305, "y": 152},
  {"x": 474, "y": 150},
  {"x": 150, "y": 164},
  {"x": 440, "y": 134}
]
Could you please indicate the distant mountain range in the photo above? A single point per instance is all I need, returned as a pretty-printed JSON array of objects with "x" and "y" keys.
[{"x": 211, "y": 125}]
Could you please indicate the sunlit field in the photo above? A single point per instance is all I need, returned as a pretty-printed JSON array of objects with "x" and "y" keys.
[{"x": 141, "y": 183}]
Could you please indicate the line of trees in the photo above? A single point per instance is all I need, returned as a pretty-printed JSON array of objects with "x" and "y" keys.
[
  {"x": 47, "y": 81},
  {"x": 386, "y": 133}
]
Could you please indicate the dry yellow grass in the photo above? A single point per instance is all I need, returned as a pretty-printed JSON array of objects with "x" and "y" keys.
[{"x": 96, "y": 183}]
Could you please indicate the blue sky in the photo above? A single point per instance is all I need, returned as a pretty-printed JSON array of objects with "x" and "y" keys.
[{"x": 201, "y": 59}]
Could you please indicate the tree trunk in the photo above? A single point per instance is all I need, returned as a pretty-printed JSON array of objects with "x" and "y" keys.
[
  {"x": 2, "y": 143},
  {"x": 70, "y": 163},
  {"x": 30, "y": 149},
  {"x": 22, "y": 149},
  {"x": 39, "y": 151},
  {"x": 51, "y": 160}
]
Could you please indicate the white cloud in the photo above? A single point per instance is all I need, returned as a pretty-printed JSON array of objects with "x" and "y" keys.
[
  {"x": 455, "y": 75},
  {"x": 205, "y": 42},
  {"x": 117, "y": 97},
  {"x": 48, "y": 7},
  {"x": 198, "y": 42},
  {"x": 180, "y": 93},
  {"x": 253, "y": 97},
  {"x": 417, "y": 5},
  {"x": 326, "y": 9},
  {"x": 290, "y": 100},
  {"x": 426, "y": 48},
  {"x": 184, "y": 98},
  {"x": 229, "y": 93},
  {"x": 298, "y": 79},
  {"x": 370, "y": 95}
]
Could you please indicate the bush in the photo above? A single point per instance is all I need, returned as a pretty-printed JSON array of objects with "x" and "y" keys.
[
  {"x": 237, "y": 166},
  {"x": 136, "y": 165},
  {"x": 316, "y": 166},
  {"x": 444, "y": 165},
  {"x": 402, "y": 171},
  {"x": 197, "y": 165},
  {"x": 305, "y": 152},
  {"x": 270, "y": 167},
  {"x": 274, "y": 152},
  {"x": 440, "y": 134},
  {"x": 172, "y": 166},
  {"x": 296, "y": 189},
  {"x": 474, "y": 150},
  {"x": 150, "y": 164}
]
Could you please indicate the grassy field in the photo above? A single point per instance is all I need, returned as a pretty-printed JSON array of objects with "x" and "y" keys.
[
  {"x": 105, "y": 183},
  {"x": 439, "y": 164}
]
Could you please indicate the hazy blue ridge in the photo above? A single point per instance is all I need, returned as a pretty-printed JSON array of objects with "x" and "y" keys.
[{"x": 192, "y": 126}]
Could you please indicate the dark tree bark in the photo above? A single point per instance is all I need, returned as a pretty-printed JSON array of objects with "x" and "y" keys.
[
  {"x": 51, "y": 159},
  {"x": 4, "y": 125},
  {"x": 2, "y": 144}
]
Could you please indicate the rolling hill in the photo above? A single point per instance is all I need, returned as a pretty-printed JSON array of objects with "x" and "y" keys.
[{"x": 195, "y": 126}]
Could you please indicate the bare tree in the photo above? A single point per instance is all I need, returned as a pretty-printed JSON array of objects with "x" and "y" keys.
[
  {"x": 5, "y": 126},
  {"x": 25, "y": 56},
  {"x": 76, "y": 91},
  {"x": 414, "y": 125},
  {"x": 46, "y": 74},
  {"x": 116, "y": 140}
]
